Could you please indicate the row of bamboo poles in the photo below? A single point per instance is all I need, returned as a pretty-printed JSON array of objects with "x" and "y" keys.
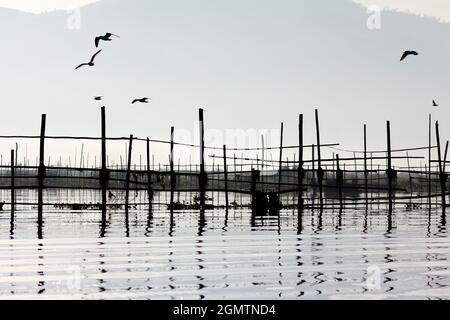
[{"x": 202, "y": 175}]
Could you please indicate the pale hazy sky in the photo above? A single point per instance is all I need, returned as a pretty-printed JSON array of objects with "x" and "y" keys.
[
  {"x": 40, "y": 6},
  {"x": 249, "y": 63},
  {"x": 439, "y": 9}
]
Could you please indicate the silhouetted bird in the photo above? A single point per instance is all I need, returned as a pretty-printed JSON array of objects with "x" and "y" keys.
[
  {"x": 435, "y": 104},
  {"x": 106, "y": 37},
  {"x": 407, "y": 53},
  {"x": 111, "y": 195},
  {"x": 90, "y": 63},
  {"x": 143, "y": 100},
  {"x": 99, "y": 98}
]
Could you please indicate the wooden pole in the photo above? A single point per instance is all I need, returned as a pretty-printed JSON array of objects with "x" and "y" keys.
[
  {"x": 202, "y": 177},
  {"x": 320, "y": 173},
  {"x": 172, "y": 172},
  {"x": 225, "y": 170},
  {"x": 366, "y": 172},
  {"x": 13, "y": 197},
  {"x": 300, "y": 173},
  {"x": 127, "y": 186},
  {"x": 429, "y": 162},
  {"x": 339, "y": 179},
  {"x": 103, "y": 172},
  {"x": 410, "y": 177},
  {"x": 262, "y": 151},
  {"x": 81, "y": 156},
  {"x": 280, "y": 171},
  {"x": 17, "y": 155},
  {"x": 442, "y": 177},
  {"x": 41, "y": 169},
  {"x": 438, "y": 141},
  {"x": 149, "y": 179},
  {"x": 389, "y": 170},
  {"x": 445, "y": 156},
  {"x": 255, "y": 177},
  {"x": 444, "y": 169}
]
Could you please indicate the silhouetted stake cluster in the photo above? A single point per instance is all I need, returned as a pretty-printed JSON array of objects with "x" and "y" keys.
[{"x": 264, "y": 187}]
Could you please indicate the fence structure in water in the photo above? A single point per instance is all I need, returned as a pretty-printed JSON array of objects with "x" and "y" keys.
[{"x": 264, "y": 185}]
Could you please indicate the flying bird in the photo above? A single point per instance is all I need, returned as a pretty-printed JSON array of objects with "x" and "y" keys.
[
  {"x": 99, "y": 98},
  {"x": 407, "y": 53},
  {"x": 143, "y": 100},
  {"x": 435, "y": 104},
  {"x": 106, "y": 37},
  {"x": 90, "y": 63}
]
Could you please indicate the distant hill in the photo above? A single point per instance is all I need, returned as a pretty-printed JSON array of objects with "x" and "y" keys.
[{"x": 250, "y": 63}]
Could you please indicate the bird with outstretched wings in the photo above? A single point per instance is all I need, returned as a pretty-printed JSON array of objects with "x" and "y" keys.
[
  {"x": 143, "y": 100},
  {"x": 90, "y": 63},
  {"x": 106, "y": 37},
  {"x": 408, "y": 53}
]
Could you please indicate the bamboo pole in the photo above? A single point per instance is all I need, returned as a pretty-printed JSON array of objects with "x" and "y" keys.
[
  {"x": 149, "y": 179},
  {"x": 280, "y": 169},
  {"x": 202, "y": 177},
  {"x": 339, "y": 179},
  {"x": 445, "y": 156},
  {"x": 429, "y": 163},
  {"x": 262, "y": 151},
  {"x": 225, "y": 170},
  {"x": 17, "y": 154},
  {"x": 300, "y": 173},
  {"x": 390, "y": 172},
  {"x": 103, "y": 172},
  {"x": 128, "y": 176},
  {"x": 366, "y": 172},
  {"x": 320, "y": 173},
  {"x": 172, "y": 172},
  {"x": 13, "y": 197},
  {"x": 445, "y": 162},
  {"x": 442, "y": 177},
  {"x": 41, "y": 170},
  {"x": 409, "y": 176}
]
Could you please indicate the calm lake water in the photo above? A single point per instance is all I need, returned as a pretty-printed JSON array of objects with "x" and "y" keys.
[{"x": 347, "y": 256}]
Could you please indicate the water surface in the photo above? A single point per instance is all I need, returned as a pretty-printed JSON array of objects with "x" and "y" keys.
[{"x": 348, "y": 255}]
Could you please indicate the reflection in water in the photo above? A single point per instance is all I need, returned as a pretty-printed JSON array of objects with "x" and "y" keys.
[
  {"x": 172, "y": 223},
  {"x": 41, "y": 284},
  {"x": 233, "y": 254},
  {"x": 201, "y": 222},
  {"x": 11, "y": 226},
  {"x": 366, "y": 219},
  {"x": 40, "y": 226},
  {"x": 127, "y": 224},
  {"x": 443, "y": 218},
  {"x": 225, "y": 223},
  {"x": 340, "y": 219}
]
